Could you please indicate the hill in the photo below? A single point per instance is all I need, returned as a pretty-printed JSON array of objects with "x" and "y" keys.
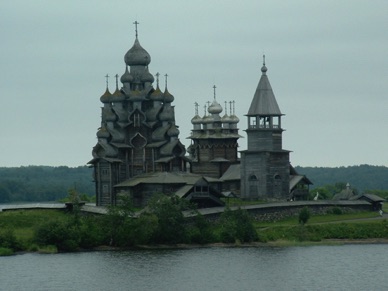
[{"x": 362, "y": 177}]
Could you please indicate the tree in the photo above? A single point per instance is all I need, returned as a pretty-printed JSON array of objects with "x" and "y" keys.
[{"x": 170, "y": 220}]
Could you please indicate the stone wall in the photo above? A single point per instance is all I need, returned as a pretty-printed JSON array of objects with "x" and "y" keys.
[{"x": 283, "y": 210}]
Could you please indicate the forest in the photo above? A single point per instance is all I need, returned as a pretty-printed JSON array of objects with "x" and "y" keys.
[{"x": 45, "y": 183}]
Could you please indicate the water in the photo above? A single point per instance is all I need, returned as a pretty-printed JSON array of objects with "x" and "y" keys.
[{"x": 349, "y": 267}]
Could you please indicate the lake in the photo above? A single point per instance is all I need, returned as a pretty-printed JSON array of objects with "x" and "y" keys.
[{"x": 347, "y": 267}]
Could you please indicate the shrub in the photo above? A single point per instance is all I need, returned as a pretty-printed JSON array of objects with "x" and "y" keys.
[
  {"x": 8, "y": 239},
  {"x": 237, "y": 226},
  {"x": 335, "y": 210},
  {"x": 63, "y": 234},
  {"x": 6, "y": 252},
  {"x": 304, "y": 215}
]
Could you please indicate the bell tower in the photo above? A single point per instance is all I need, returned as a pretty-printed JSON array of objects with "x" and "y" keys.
[{"x": 265, "y": 166}]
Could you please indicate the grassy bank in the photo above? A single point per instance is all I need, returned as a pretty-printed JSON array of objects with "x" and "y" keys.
[{"x": 47, "y": 231}]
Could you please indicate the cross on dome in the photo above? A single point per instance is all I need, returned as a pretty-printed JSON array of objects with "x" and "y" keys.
[
  {"x": 107, "y": 80},
  {"x": 117, "y": 81},
  {"x": 157, "y": 79},
  {"x": 136, "y": 23},
  {"x": 166, "y": 80},
  {"x": 214, "y": 88}
]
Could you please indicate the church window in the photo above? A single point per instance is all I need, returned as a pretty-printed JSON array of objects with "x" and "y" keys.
[
  {"x": 252, "y": 177},
  {"x": 105, "y": 189},
  {"x": 136, "y": 120}
]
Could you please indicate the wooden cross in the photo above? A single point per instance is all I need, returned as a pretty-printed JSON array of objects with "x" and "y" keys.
[
  {"x": 166, "y": 79},
  {"x": 157, "y": 79},
  {"x": 117, "y": 81},
  {"x": 136, "y": 23},
  {"x": 107, "y": 78}
]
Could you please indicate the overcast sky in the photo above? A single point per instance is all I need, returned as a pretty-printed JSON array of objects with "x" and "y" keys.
[{"x": 327, "y": 64}]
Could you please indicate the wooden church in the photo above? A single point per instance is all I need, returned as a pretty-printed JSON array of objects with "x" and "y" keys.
[{"x": 138, "y": 151}]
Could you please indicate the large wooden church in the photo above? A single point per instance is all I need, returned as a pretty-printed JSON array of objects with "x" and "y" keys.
[{"x": 139, "y": 154}]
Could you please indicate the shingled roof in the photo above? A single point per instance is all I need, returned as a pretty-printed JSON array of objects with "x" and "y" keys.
[{"x": 264, "y": 101}]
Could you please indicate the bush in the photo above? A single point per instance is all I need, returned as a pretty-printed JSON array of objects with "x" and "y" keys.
[
  {"x": 201, "y": 232},
  {"x": 6, "y": 252},
  {"x": 336, "y": 210},
  {"x": 237, "y": 226},
  {"x": 304, "y": 215},
  {"x": 63, "y": 234},
  {"x": 8, "y": 239}
]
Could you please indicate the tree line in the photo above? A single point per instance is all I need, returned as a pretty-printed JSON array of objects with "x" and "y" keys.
[
  {"x": 362, "y": 178},
  {"x": 45, "y": 183}
]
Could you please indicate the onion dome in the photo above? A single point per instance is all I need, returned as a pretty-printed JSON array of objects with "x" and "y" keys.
[
  {"x": 226, "y": 118},
  {"x": 117, "y": 96},
  {"x": 207, "y": 119},
  {"x": 168, "y": 98},
  {"x": 215, "y": 108},
  {"x": 173, "y": 131},
  {"x": 167, "y": 114},
  {"x": 152, "y": 114},
  {"x": 147, "y": 76},
  {"x": 109, "y": 115},
  {"x": 126, "y": 77},
  {"x": 106, "y": 97},
  {"x": 234, "y": 119},
  {"x": 137, "y": 55},
  {"x": 157, "y": 95},
  {"x": 196, "y": 119},
  {"x": 103, "y": 133}
]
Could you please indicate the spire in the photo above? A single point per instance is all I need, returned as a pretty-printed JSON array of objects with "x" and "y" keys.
[
  {"x": 214, "y": 88},
  {"x": 166, "y": 80},
  {"x": 117, "y": 81},
  {"x": 196, "y": 108},
  {"x": 107, "y": 81},
  {"x": 264, "y": 102},
  {"x": 157, "y": 79},
  {"x": 136, "y": 23},
  {"x": 264, "y": 68},
  {"x": 233, "y": 107},
  {"x": 226, "y": 107}
]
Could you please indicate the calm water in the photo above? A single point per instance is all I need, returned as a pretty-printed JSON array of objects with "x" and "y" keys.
[{"x": 350, "y": 267}]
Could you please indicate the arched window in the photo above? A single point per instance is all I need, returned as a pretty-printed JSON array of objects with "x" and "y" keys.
[{"x": 253, "y": 177}]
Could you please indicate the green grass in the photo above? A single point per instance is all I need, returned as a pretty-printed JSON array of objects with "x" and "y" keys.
[
  {"x": 23, "y": 222},
  {"x": 316, "y": 219}
]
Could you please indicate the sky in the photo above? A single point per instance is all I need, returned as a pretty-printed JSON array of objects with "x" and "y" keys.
[{"x": 327, "y": 63}]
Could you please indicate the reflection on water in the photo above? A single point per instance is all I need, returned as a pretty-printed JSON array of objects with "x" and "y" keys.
[{"x": 350, "y": 267}]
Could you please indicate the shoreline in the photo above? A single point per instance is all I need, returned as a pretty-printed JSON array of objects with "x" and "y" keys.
[{"x": 279, "y": 243}]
